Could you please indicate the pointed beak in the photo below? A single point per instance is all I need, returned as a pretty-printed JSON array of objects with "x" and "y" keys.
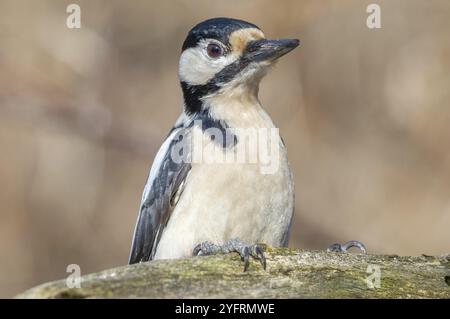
[{"x": 269, "y": 50}]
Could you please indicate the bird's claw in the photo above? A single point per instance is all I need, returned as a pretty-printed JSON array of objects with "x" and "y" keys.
[
  {"x": 345, "y": 247},
  {"x": 233, "y": 245},
  {"x": 256, "y": 251}
]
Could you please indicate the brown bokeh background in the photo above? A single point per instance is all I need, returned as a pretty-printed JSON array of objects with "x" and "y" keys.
[{"x": 365, "y": 115}]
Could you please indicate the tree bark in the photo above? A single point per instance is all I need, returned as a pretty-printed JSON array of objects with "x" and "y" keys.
[{"x": 290, "y": 274}]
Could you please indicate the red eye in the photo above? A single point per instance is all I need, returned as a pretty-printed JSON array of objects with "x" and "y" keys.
[{"x": 214, "y": 50}]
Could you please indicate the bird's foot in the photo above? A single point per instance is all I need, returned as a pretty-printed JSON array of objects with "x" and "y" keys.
[
  {"x": 345, "y": 247},
  {"x": 233, "y": 245}
]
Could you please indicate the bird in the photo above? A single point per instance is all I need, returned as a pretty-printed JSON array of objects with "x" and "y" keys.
[{"x": 193, "y": 207}]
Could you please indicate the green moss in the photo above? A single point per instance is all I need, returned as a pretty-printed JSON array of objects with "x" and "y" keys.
[
  {"x": 69, "y": 294},
  {"x": 290, "y": 274}
]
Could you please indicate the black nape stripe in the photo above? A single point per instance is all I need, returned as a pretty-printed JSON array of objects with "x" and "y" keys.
[
  {"x": 227, "y": 138},
  {"x": 193, "y": 93}
]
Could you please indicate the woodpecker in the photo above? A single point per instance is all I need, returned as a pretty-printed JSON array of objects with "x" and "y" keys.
[{"x": 190, "y": 207}]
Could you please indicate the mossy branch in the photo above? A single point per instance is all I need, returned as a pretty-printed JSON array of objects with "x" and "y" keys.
[{"x": 290, "y": 274}]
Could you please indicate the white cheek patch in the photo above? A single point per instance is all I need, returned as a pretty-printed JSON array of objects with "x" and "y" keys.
[{"x": 197, "y": 68}]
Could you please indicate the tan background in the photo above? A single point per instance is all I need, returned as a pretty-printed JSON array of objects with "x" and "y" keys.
[{"x": 365, "y": 115}]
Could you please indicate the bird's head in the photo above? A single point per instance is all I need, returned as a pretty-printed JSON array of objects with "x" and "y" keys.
[{"x": 226, "y": 56}]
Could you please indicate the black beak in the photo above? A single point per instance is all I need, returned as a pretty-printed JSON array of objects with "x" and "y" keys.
[{"x": 269, "y": 50}]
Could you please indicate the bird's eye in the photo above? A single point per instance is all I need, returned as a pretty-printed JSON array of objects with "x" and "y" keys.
[{"x": 214, "y": 50}]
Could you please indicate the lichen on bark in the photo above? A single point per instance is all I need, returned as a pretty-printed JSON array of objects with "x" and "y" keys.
[{"x": 290, "y": 274}]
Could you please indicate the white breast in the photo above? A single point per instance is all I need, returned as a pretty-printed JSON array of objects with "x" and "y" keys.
[{"x": 236, "y": 200}]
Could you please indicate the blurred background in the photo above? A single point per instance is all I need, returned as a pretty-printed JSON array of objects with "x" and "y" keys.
[{"x": 365, "y": 114}]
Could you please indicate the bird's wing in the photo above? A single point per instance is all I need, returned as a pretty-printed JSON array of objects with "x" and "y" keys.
[{"x": 161, "y": 192}]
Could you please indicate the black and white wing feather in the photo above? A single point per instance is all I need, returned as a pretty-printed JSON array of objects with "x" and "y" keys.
[{"x": 162, "y": 190}]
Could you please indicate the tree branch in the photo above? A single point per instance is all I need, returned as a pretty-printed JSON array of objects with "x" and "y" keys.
[{"x": 290, "y": 274}]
